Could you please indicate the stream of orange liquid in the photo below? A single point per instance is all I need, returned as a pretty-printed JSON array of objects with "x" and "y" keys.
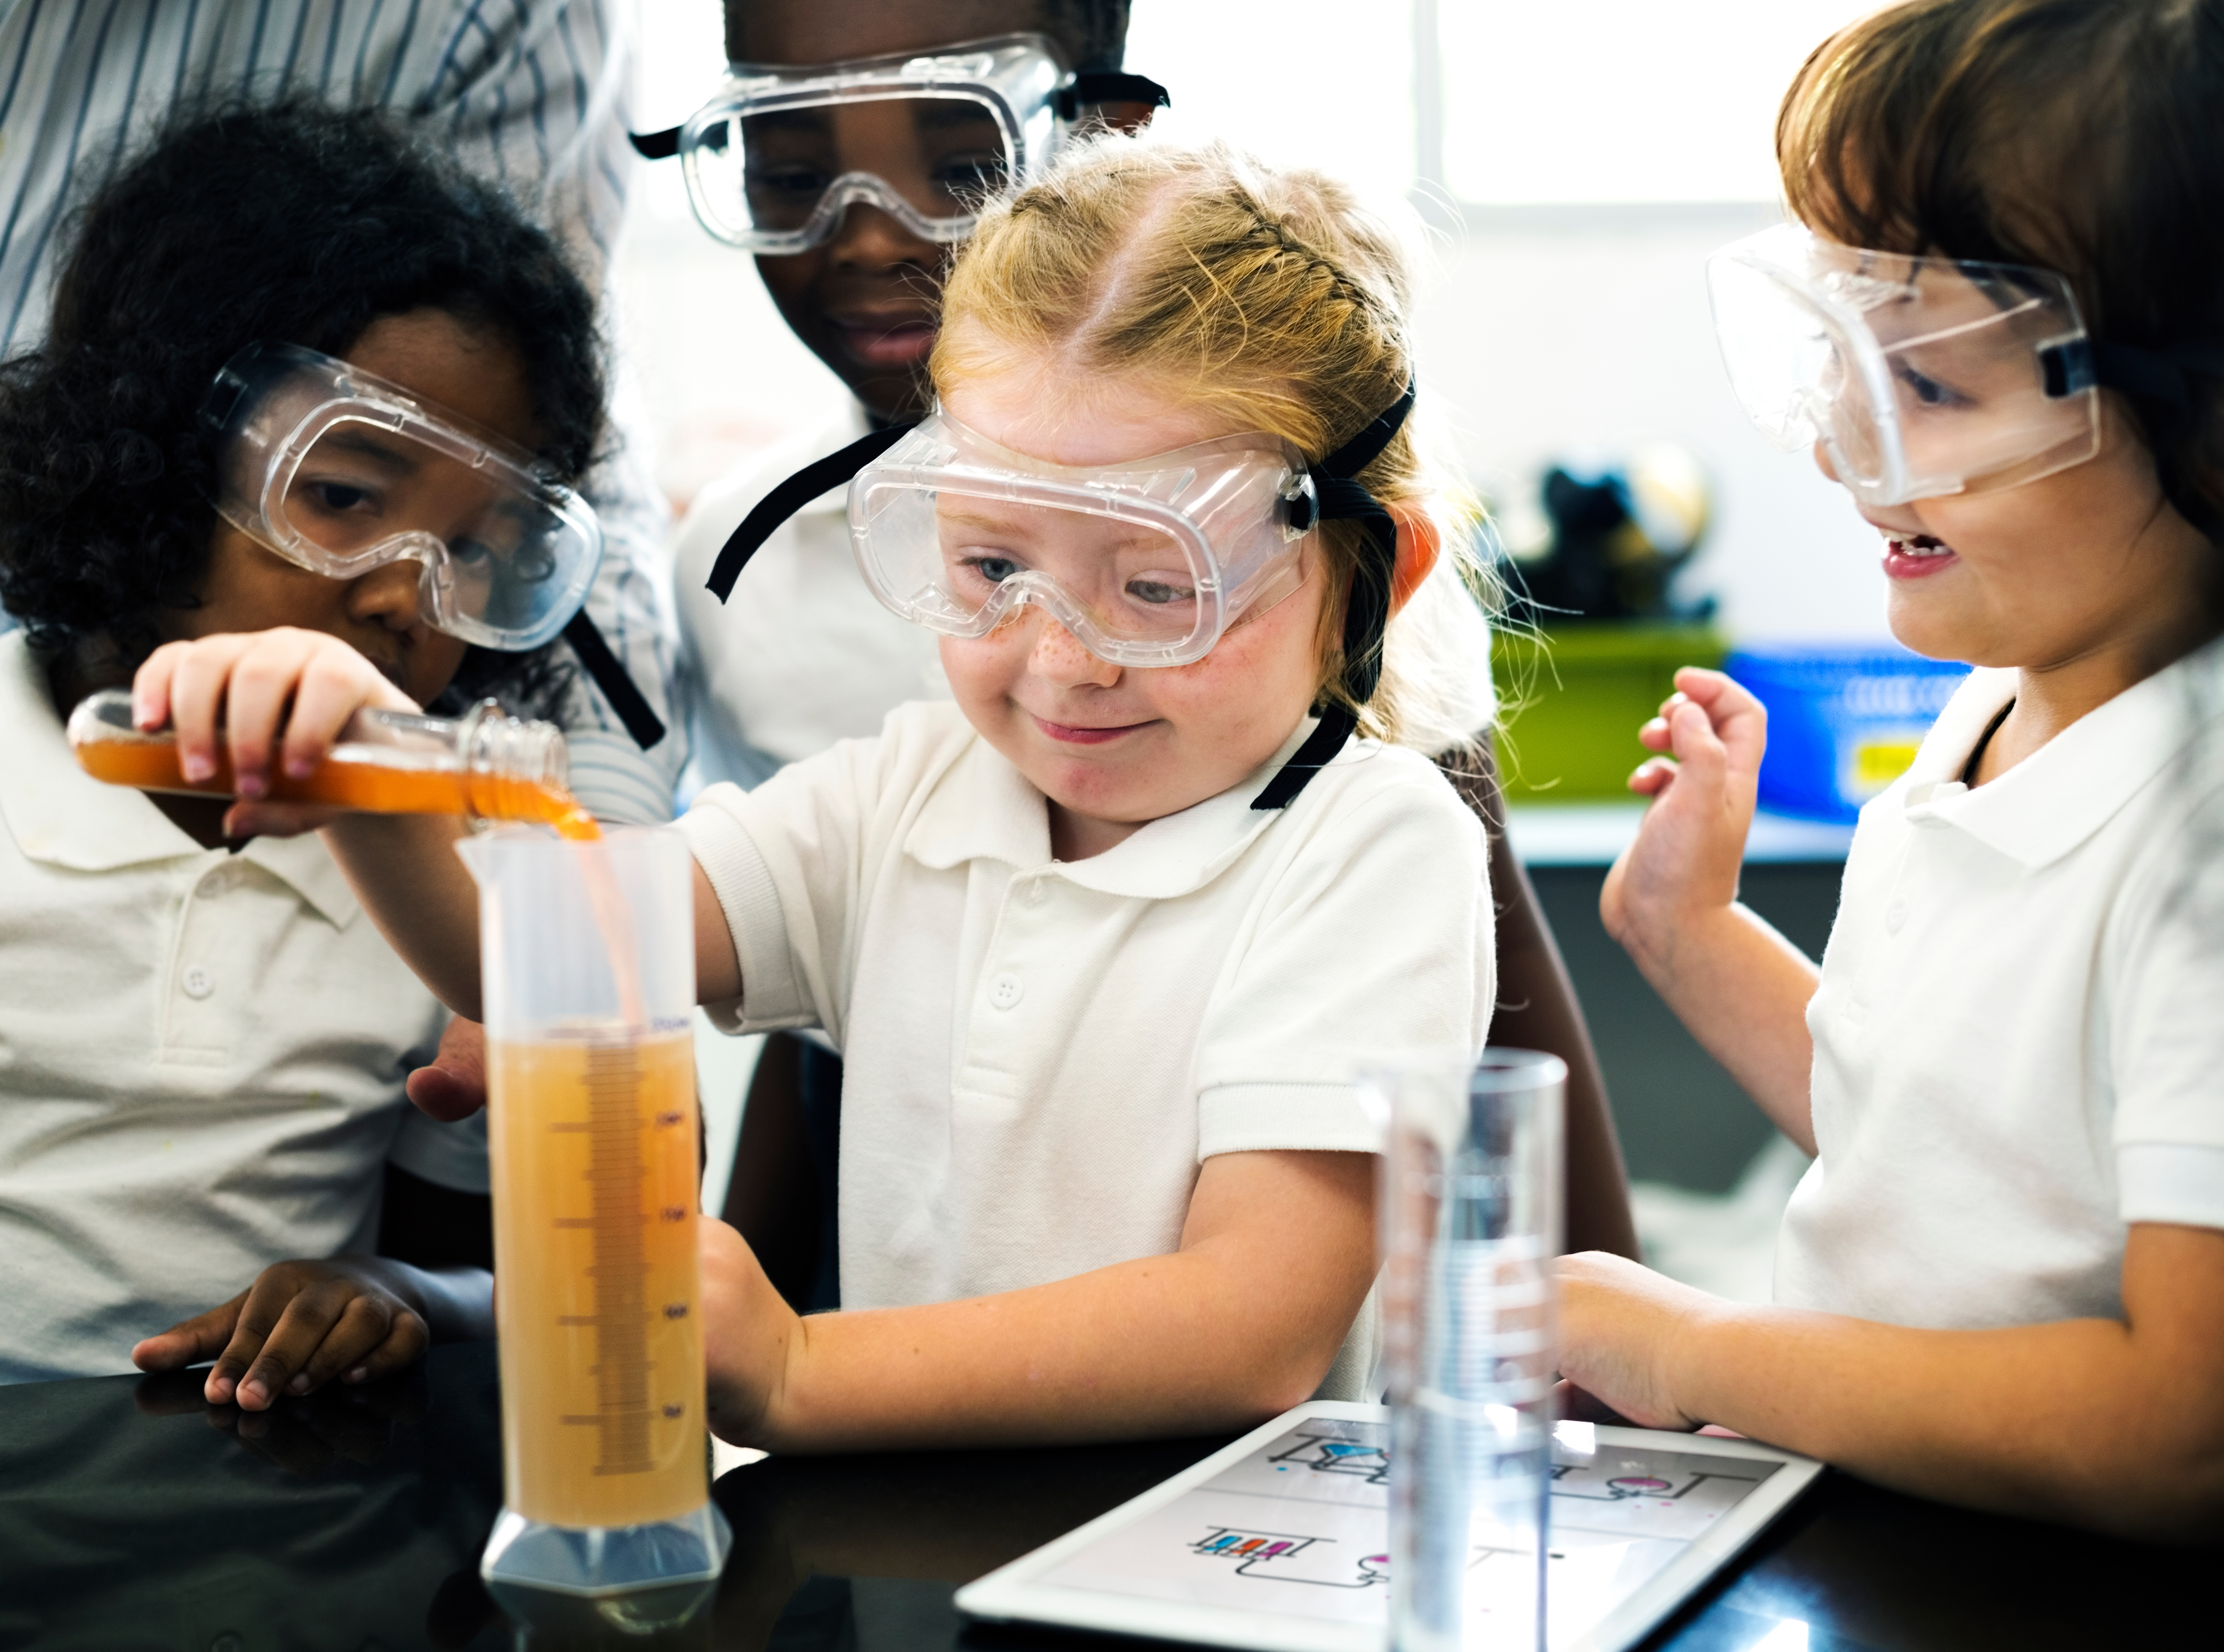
[{"x": 151, "y": 766}]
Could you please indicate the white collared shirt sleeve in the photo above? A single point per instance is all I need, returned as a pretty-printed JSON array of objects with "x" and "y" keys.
[
  {"x": 792, "y": 862},
  {"x": 2167, "y": 1031},
  {"x": 1377, "y": 938}
]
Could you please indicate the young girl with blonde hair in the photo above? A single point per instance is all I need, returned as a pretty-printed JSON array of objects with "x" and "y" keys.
[{"x": 1104, "y": 941}]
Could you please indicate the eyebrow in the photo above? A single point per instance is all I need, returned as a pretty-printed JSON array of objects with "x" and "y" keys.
[
  {"x": 370, "y": 447},
  {"x": 1007, "y": 528}
]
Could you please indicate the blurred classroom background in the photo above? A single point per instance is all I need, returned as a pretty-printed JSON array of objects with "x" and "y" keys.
[{"x": 1574, "y": 164}]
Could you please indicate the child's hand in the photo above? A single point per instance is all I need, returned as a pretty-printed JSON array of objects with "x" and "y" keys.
[
  {"x": 296, "y": 1327},
  {"x": 248, "y": 683},
  {"x": 1684, "y": 862},
  {"x": 454, "y": 1085},
  {"x": 749, "y": 1330},
  {"x": 1621, "y": 1326}
]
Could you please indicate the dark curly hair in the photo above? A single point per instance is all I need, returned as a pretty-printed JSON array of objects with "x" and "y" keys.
[{"x": 285, "y": 221}]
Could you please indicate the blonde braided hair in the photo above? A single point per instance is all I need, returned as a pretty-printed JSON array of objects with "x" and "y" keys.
[{"x": 1270, "y": 296}]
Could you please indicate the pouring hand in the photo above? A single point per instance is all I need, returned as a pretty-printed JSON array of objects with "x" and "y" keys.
[{"x": 237, "y": 688}]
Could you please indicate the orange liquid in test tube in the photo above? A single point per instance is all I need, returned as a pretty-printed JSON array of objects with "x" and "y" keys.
[
  {"x": 384, "y": 788},
  {"x": 596, "y": 1295}
]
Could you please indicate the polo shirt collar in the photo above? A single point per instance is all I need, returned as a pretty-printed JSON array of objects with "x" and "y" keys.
[
  {"x": 2059, "y": 796},
  {"x": 62, "y": 816},
  {"x": 985, "y": 809}
]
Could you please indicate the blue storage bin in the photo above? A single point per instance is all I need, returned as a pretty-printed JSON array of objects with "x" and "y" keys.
[{"x": 1843, "y": 723}]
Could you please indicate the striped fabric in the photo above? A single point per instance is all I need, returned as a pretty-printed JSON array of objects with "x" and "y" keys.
[{"x": 531, "y": 93}]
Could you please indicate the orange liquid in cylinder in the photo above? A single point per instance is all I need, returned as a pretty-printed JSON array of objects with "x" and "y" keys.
[
  {"x": 388, "y": 789},
  {"x": 597, "y": 1291}
]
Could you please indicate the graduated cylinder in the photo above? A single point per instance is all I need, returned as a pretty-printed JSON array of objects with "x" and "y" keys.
[{"x": 588, "y": 954}]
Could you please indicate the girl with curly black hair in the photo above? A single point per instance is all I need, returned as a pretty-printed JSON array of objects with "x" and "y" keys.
[{"x": 202, "y": 1042}]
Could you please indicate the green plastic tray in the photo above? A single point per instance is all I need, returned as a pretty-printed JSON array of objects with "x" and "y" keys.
[{"x": 1574, "y": 700}]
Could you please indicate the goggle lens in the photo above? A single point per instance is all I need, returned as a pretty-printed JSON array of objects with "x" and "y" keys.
[{"x": 775, "y": 172}]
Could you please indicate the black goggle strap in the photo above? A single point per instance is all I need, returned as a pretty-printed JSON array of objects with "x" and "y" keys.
[
  {"x": 1108, "y": 86},
  {"x": 791, "y": 496},
  {"x": 1093, "y": 86},
  {"x": 601, "y": 664},
  {"x": 1366, "y": 608}
]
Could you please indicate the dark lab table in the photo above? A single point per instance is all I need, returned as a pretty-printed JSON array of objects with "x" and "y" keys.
[{"x": 132, "y": 1514}]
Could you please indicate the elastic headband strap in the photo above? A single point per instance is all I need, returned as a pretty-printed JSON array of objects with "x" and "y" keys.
[
  {"x": 1366, "y": 607},
  {"x": 2158, "y": 375},
  {"x": 626, "y": 699},
  {"x": 1109, "y": 86},
  {"x": 791, "y": 496}
]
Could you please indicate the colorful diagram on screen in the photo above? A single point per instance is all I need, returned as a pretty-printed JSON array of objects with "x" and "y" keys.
[
  {"x": 1301, "y": 1527},
  {"x": 1253, "y": 1552}
]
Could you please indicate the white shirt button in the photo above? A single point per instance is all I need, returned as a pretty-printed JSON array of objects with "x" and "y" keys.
[
  {"x": 1038, "y": 890},
  {"x": 1005, "y": 990},
  {"x": 1895, "y": 916},
  {"x": 198, "y": 982},
  {"x": 225, "y": 878}
]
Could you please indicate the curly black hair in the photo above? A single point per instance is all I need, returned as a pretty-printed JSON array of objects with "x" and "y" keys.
[{"x": 286, "y": 221}]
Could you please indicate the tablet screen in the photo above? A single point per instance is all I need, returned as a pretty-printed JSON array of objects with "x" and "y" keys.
[{"x": 1300, "y": 1527}]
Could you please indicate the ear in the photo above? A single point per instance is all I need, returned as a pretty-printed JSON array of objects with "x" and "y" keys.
[{"x": 1420, "y": 542}]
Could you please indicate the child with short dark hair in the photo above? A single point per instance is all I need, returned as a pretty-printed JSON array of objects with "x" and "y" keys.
[{"x": 1999, "y": 321}]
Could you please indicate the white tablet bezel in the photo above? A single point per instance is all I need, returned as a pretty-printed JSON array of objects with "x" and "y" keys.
[{"x": 1012, "y": 1593}]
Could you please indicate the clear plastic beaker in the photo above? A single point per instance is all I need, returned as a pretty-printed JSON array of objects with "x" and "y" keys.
[
  {"x": 1470, "y": 1215},
  {"x": 589, "y": 964}
]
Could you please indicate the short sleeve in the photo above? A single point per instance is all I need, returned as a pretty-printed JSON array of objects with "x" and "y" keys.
[
  {"x": 787, "y": 862},
  {"x": 1377, "y": 938},
  {"x": 2168, "y": 1031}
]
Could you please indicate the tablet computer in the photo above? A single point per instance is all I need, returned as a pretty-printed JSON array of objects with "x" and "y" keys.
[{"x": 1280, "y": 1543}]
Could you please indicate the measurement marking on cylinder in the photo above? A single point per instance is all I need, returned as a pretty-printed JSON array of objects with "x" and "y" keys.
[{"x": 615, "y": 1174}]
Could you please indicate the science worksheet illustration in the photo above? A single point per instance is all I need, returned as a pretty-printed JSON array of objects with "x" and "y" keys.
[{"x": 1300, "y": 1527}]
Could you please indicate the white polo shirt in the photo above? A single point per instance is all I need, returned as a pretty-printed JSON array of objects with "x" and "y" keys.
[
  {"x": 202, "y": 1058},
  {"x": 2019, "y": 1033},
  {"x": 803, "y": 654},
  {"x": 1039, "y": 1053}
]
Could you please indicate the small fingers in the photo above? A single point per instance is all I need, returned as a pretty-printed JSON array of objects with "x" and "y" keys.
[
  {"x": 1652, "y": 777},
  {"x": 265, "y": 678},
  {"x": 332, "y": 685},
  {"x": 361, "y": 1345},
  {"x": 196, "y": 1339},
  {"x": 192, "y": 693},
  {"x": 405, "y": 1345},
  {"x": 277, "y": 819},
  {"x": 241, "y": 1374}
]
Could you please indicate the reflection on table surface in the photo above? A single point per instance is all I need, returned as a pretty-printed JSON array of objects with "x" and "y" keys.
[{"x": 133, "y": 1515}]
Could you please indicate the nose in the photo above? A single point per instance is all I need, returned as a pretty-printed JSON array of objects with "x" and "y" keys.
[
  {"x": 388, "y": 595},
  {"x": 1822, "y": 462},
  {"x": 1057, "y": 657},
  {"x": 869, "y": 237}
]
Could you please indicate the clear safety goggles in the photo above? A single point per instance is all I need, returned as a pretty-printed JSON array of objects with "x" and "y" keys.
[
  {"x": 340, "y": 472},
  {"x": 1146, "y": 562},
  {"x": 776, "y": 157},
  {"x": 1919, "y": 376}
]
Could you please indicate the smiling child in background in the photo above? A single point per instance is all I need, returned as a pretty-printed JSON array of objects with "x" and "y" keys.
[{"x": 2000, "y": 319}]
